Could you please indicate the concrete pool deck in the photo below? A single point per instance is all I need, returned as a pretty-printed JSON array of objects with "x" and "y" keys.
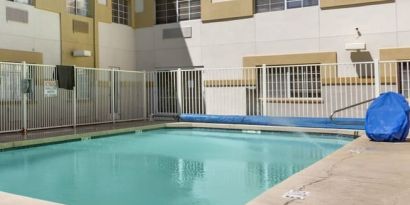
[
  {"x": 12, "y": 199},
  {"x": 362, "y": 172}
]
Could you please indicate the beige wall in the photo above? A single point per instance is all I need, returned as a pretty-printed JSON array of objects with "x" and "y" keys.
[
  {"x": 226, "y": 10},
  {"x": 387, "y": 54},
  {"x": 326, "y": 4},
  {"x": 147, "y": 17},
  {"x": 291, "y": 59},
  {"x": 20, "y": 56},
  {"x": 71, "y": 40},
  {"x": 389, "y": 70},
  {"x": 330, "y": 71},
  {"x": 57, "y": 6}
]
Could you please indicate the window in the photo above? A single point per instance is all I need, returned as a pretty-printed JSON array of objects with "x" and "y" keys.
[
  {"x": 78, "y": 7},
  {"x": 120, "y": 12},
  {"x": 277, "y": 5},
  {"x": 269, "y": 5},
  {"x": 30, "y": 2},
  {"x": 170, "y": 11},
  {"x": 294, "y": 82}
]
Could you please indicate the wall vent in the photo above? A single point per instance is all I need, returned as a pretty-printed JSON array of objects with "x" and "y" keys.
[
  {"x": 16, "y": 15},
  {"x": 171, "y": 33},
  {"x": 80, "y": 26}
]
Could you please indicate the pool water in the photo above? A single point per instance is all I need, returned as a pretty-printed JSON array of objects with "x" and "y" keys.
[{"x": 163, "y": 167}]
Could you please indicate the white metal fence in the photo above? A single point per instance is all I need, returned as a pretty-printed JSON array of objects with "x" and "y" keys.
[
  {"x": 106, "y": 95},
  {"x": 100, "y": 96},
  {"x": 314, "y": 90}
]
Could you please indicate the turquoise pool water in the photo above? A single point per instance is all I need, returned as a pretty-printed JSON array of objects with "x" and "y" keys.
[{"x": 162, "y": 167}]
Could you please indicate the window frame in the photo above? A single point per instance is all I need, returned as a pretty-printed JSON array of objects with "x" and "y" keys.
[
  {"x": 191, "y": 11},
  {"x": 75, "y": 8},
  {"x": 285, "y": 5},
  {"x": 293, "y": 84},
  {"x": 118, "y": 19}
]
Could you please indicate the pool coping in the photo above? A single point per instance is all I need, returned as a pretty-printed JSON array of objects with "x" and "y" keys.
[
  {"x": 4, "y": 146},
  {"x": 257, "y": 201}
]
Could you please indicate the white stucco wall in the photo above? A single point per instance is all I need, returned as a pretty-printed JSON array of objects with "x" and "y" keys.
[
  {"x": 117, "y": 46},
  {"x": 223, "y": 44},
  {"x": 40, "y": 34}
]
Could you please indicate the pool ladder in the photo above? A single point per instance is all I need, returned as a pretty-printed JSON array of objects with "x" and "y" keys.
[{"x": 348, "y": 107}]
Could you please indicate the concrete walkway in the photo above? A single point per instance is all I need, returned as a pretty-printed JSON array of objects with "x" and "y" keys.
[
  {"x": 11, "y": 199},
  {"x": 362, "y": 172}
]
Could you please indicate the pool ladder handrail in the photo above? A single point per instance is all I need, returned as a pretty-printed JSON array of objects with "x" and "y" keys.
[{"x": 348, "y": 107}]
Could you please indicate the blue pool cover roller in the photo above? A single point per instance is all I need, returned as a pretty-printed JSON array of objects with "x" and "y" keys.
[
  {"x": 387, "y": 119},
  {"x": 340, "y": 123}
]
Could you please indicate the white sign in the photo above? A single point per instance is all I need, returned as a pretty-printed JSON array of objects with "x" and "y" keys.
[{"x": 50, "y": 89}]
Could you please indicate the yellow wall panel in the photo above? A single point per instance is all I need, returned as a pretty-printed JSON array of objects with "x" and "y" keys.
[
  {"x": 231, "y": 9},
  {"x": 20, "y": 56},
  {"x": 326, "y": 4}
]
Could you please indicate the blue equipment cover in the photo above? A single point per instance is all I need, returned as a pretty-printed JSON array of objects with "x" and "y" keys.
[
  {"x": 387, "y": 119},
  {"x": 339, "y": 123}
]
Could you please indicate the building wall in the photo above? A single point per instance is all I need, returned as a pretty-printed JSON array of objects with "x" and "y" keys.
[
  {"x": 117, "y": 46},
  {"x": 227, "y": 32},
  {"x": 225, "y": 42},
  {"x": 37, "y": 41}
]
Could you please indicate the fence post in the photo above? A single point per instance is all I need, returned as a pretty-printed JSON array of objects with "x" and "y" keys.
[
  {"x": 75, "y": 98},
  {"x": 24, "y": 100},
  {"x": 376, "y": 78},
  {"x": 264, "y": 90},
  {"x": 144, "y": 86},
  {"x": 112, "y": 95},
  {"x": 179, "y": 90}
]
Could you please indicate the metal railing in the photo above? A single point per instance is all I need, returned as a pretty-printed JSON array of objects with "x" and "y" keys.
[
  {"x": 349, "y": 107},
  {"x": 100, "y": 96},
  {"x": 313, "y": 90},
  {"x": 108, "y": 95}
]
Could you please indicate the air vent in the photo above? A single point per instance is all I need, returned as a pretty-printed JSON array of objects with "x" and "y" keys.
[
  {"x": 80, "y": 26},
  {"x": 171, "y": 33},
  {"x": 16, "y": 15}
]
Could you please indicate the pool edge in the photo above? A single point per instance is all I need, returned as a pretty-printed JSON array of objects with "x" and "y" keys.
[
  {"x": 74, "y": 137},
  {"x": 91, "y": 135}
]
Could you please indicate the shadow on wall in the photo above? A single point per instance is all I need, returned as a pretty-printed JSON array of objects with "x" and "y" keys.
[
  {"x": 171, "y": 46},
  {"x": 363, "y": 69}
]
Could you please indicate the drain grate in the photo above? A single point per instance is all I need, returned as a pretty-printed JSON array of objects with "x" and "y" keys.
[{"x": 295, "y": 194}]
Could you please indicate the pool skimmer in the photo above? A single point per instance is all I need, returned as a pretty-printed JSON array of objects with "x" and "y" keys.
[{"x": 296, "y": 194}]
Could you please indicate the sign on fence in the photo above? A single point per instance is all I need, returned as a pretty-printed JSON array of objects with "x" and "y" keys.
[{"x": 50, "y": 89}]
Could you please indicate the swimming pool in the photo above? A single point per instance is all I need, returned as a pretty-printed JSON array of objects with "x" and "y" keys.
[{"x": 163, "y": 166}]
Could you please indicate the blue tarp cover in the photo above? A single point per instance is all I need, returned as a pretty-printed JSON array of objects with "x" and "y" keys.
[
  {"x": 387, "y": 119},
  {"x": 340, "y": 123}
]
